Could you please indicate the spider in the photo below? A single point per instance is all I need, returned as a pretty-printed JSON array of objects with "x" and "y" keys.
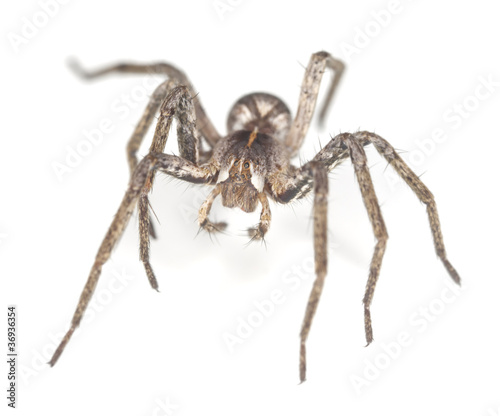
[{"x": 248, "y": 166}]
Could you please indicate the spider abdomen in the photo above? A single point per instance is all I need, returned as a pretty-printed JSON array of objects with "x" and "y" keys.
[{"x": 264, "y": 112}]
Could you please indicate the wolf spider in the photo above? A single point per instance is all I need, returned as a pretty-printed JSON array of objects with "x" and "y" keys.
[{"x": 248, "y": 166}]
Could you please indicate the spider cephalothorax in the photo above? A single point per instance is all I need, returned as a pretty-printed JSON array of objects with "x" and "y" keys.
[{"x": 246, "y": 167}]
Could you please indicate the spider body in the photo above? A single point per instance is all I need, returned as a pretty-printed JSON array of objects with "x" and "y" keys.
[
  {"x": 257, "y": 126},
  {"x": 246, "y": 167}
]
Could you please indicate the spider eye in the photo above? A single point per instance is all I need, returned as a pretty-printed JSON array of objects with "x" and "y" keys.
[
  {"x": 246, "y": 165},
  {"x": 236, "y": 162}
]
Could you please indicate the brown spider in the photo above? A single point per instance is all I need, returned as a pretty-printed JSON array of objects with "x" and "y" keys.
[{"x": 247, "y": 166}]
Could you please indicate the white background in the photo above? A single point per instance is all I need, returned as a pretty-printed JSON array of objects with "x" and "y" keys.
[{"x": 137, "y": 348}]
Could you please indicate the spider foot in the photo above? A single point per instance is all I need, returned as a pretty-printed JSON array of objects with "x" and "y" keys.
[
  {"x": 302, "y": 362},
  {"x": 257, "y": 233},
  {"x": 451, "y": 270},
  {"x": 368, "y": 327},
  {"x": 213, "y": 227},
  {"x": 151, "y": 275},
  {"x": 78, "y": 69}
]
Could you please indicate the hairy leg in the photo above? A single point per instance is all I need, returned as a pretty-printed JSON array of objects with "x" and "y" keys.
[
  {"x": 178, "y": 104},
  {"x": 144, "y": 123},
  {"x": 294, "y": 185},
  {"x": 176, "y": 77},
  {"x": 137, "y": 137},
  {"x": 332, "y": 154},
  {"x": 315, "y": 174},
  {"x": 300, "y": 182},
  {"x": 358, "y": 158},
  {"x": 205, "y": 126},
  {"x": 115, "y": 231},
  {"x": 308, "y": 96},
  {"x": 417, "y": 186},
  {"x": 262, "y": 228},
  {"x": 171, "y": 165},
  {"x": 320, "y": 211},
  {"x": 205, "y": 208}
]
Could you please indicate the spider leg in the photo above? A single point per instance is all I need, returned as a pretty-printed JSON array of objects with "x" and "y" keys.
[
  {"x": 112, "y": 236},
  {"x": 205, "y": 126},
  {"x": 358, "y": 158},
  {"x": 336, "y": 151},
  {"x": 320, "y": 176},
  {"x": 179, "y": 104},
  {"x": 169, "y": 164},
  {"x": 262, "y": 228},
  {"x": 299, "y": 182},
  {"x": 417, "y": 186},
  {"x": 144, "y": 123},
  {"x": 315, "y": 174},
  {"x": 205, "y": 208},
  {"x": 176, "y": 77},
  {"x": 294, "y": 185},
  {"x": 308, "y": 96},
  {"x": 140, "y": 131}
]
